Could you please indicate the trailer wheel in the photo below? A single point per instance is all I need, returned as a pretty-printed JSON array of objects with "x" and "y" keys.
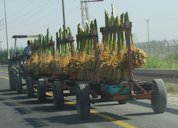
[
  {"x": 83, "y": 100},
  {"x": 19, "y": 84},
  {"x": 159, "y": 97},
  {"x": 41, "y": 91},
  {"x": 58, "y": 94},
  {"x": 30, "y": 90},
  {"x": 122, "y": 101}
]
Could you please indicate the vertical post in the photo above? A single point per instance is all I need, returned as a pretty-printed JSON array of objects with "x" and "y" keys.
[
  {"x": 95, "y": 43},
  {"x": 148, "y": 34},
  {"x": 15, "y": 46},
  {"x": 0, "y": 45},
  {"x": 72, "y": 48},
  {"x": 87, "y": 12},
  {"x": 82, "y": 12},
  {"x": 1, "y": 60},
  {"x": 128, "y": 26},
  {"x": 6, "y": 30},
  {"x": 53, "y": 48},
  {"x": 63, "y": 11}
]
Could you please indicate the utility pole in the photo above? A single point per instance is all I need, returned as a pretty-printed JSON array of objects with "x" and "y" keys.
[
  {"x": 85, "y": 10},
  {"x": 148, "y": 34},
  {"x": 8, "y": 55},
  {"x": 1, "y": 28},
  {"x": 0, "y": 45},
  {"x": 63, "y": 12}
]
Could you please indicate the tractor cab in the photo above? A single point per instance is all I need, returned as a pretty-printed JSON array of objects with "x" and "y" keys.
[
  {"x": 15, "y": 53},
  {"x": 15, "y": 64}
]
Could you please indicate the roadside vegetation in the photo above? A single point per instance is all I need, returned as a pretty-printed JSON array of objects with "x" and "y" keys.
[
  {"x": 4, "y": 57},
  {"x": 172, "y": 88},
  {"x": 169, "y": 62}
]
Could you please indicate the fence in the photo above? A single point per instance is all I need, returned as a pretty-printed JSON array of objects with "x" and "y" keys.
[
  {"x": 165, "y": 49},
  {"x": 169, "y": 76}
]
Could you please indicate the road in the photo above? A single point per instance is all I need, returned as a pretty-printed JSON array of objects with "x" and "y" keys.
[{"x": 18, "y": 111}]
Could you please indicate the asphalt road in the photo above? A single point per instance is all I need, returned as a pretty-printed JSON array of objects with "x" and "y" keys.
[{"x": 18, "y": 111}]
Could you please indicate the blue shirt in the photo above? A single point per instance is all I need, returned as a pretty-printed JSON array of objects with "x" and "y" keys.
[{"x": 27, "y": 51}]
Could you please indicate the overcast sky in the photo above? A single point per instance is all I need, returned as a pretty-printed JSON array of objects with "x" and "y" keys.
[{"x": 35, "y": 16}]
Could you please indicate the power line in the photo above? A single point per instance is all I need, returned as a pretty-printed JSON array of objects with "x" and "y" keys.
[
  {"x": 37, "y": 17},
  {"x": 28, "y": 13},
  {"x": 27, "y": 5}
]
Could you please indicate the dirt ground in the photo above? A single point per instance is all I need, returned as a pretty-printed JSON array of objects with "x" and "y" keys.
[{"x": 172, "y": 98}]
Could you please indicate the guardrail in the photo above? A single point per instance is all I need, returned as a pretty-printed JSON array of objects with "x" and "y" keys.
[
  {"x": 170, "y": 76},
  {"x": 3, "y": 68}
]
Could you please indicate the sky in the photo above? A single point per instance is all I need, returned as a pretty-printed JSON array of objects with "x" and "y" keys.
[{"x": 35, "y": 16}]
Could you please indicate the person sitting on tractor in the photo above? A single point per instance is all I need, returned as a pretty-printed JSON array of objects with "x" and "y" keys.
[{"x": 27, "y": 50}]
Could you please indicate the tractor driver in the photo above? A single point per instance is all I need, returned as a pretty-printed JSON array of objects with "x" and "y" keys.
[{"x": 27, "y": 50}]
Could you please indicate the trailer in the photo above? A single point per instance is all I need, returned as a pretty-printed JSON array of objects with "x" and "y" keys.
[
  {"x": 49, "y": 83},
  {"x": 88, "y": 92},
  {"x": 97, "y": 90}
]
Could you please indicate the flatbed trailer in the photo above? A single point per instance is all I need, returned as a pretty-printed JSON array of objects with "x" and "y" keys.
[
  {"x": 94, "y": 91},
  {"x": 87, "y": 92}
]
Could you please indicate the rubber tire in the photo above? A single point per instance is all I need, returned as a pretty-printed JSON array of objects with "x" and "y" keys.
[
  {"x": 83, "y": 100},
  {"x": 30, "y": 89},
  {"x": 159, "y": 97},
  {"x": 13, "y": 78},
  {"x": 12, "y": 81},
  {"x": 19, "y": 85},
  {"x": 41, "y": 91},
  {"x": 122, "y": 102},
  {"x": 58, "y": 97}
]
